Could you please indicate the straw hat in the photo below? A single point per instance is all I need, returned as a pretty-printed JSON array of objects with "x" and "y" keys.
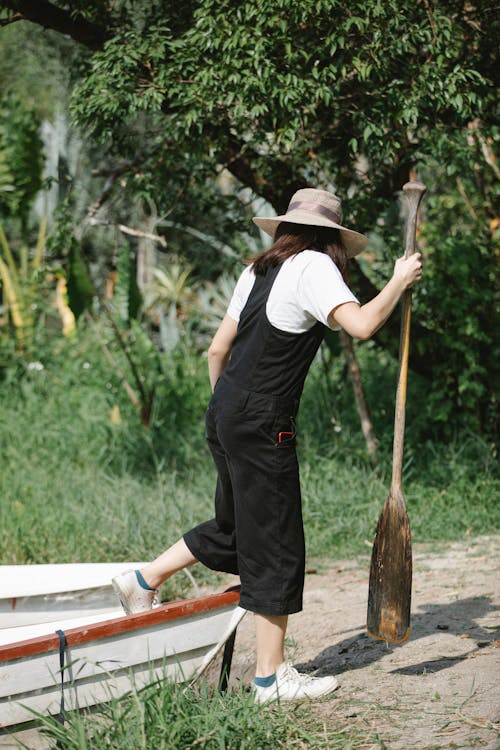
[{"x": 317, "y": 208}]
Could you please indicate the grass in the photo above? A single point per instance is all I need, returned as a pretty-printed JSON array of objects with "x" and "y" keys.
[
  {"x": 342, "y": 501},
  {"x": 82, "y": 481},
  {"x": 165, "y": 716}
]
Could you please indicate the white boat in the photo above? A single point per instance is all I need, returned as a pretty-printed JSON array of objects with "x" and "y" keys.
[
  {"x": 32, "y": 594},
  {"x": 104, "y": 655}
]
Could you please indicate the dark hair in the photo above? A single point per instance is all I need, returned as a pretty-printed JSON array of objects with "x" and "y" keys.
[{"x": 291, "y": 239}]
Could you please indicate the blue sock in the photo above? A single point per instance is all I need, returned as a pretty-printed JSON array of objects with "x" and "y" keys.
[
  {"x": 142, "y": 582},
  {"x": 265, "y": 681}
]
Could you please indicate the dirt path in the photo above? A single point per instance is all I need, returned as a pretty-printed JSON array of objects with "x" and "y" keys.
[{"x": 441, "y": 689}]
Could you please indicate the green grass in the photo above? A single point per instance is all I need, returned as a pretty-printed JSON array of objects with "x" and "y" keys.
[
  {"x": 77, "y": 486},
  {"x": 165, "y": 716},
  {"x": 453, "y": 496}
]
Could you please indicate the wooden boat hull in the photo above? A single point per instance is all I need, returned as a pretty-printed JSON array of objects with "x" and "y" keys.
[{"x": 103, "y": 660}]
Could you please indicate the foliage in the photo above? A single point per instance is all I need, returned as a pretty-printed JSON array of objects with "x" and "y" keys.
[
  {"x": 282, "y": 97},
  {"x": 211, "y": 104},
  {"x": 170, "y": 287},
  {"x": 165, "y": 715},
  {"x": 147, "y": 335},
  {"x": 6, "y": 180},
  {"x": 343, "y": 495},
  {"x": 80, "y": 287},
  {"x": 21, "y": 155},
  {"x": 139, "y": 341},
  {"x": 276, "y": 80},
  {"x": 23, "y": 286},
  {"x": 127, "y": 296},
  {"x": 459, "y": 300},
  {"x": 68, "y": 423},
  {"x": 35, "y": 305},
  {"x": 37, "y": 64},
  {"x": 212, "y": 301}
]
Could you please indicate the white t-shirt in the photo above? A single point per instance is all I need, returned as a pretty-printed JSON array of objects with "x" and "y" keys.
[{"x": 307, "y": 288}]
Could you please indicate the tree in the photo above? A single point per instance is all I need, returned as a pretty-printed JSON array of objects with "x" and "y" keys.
[{"x": 285, "y": 95}]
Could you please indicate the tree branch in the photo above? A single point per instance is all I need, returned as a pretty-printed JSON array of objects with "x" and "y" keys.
[
  {"x": 359, "y": 396},
  {"x": 118, "y": 169},
  {"x": 11, "y": 19},
  {"x": 243, "y": 163},
  {"x": 467, "y": 202},
  {"x": 49, "y": 16},
  {"x": 226, "y": 249},
  {"x": 128, "y": 230}
]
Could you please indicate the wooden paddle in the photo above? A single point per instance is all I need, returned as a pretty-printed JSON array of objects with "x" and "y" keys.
[{"x": 389, "y": 593}]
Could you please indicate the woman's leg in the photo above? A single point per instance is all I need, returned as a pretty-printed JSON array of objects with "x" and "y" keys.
[
  {"x": 169, "y": 562},
  {"x": 214, "y": 541},
  {"x": 269, "y": 629},
  {"x": 275, "y": 680},
  {"x": 270, "y": 643}
]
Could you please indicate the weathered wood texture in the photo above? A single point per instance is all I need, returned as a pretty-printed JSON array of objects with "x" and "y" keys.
[{"x": 389, "y": 592}]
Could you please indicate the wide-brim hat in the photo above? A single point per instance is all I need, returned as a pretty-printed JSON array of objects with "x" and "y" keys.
[{"x": 317, "y": 208}]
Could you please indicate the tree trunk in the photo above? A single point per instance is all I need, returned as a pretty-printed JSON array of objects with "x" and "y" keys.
[
  {"x": 146, "y": 254},
  {"x": 359, "y": 396}
]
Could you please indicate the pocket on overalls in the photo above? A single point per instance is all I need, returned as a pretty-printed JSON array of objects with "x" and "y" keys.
[{"x": 286, "y": 433}]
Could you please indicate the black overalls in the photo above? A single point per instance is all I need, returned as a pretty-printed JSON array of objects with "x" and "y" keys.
[{"x": 257, "y": 532}]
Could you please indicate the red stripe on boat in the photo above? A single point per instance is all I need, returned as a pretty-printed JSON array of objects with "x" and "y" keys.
[{"x": 125, "y": 624}]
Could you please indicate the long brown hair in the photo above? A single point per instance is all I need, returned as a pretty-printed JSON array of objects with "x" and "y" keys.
[{"x": 291, "y": 239}]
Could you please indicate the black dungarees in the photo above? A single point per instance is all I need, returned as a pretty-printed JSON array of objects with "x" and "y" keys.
[{"x": 257, "y": 532}]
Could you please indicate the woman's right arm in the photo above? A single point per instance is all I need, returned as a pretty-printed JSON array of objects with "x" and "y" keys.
[{"x": 363, "y": 321}]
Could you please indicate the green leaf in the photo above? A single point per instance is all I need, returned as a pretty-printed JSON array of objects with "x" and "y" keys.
[
  {"x": 80, "y": 287},
  {"x": 127, "y": 296}
]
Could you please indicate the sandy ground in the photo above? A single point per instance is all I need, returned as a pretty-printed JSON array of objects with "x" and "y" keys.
[{"x": 441, "y": 689}]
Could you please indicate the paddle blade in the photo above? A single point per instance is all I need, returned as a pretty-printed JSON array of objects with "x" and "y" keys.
[{"x": 389, "y": 593}]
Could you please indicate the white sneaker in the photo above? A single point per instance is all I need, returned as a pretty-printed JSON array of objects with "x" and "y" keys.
[
  {"x": 291, "y": 685},
  {"x": 133, "y": 597}
]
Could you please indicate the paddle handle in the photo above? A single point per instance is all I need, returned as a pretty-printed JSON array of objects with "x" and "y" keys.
[{"x": 414, "y": 191}]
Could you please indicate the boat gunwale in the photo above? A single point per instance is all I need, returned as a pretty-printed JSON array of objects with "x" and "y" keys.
[
  {"x": 54, "y": 583},
  {"x": 118, "y": 625}
]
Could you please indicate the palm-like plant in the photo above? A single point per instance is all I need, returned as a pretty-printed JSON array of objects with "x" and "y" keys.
[
  {"x": 212, "y": 301},
  {"x": 21, "y": 286},
  {"x": 168, "y": 300}
]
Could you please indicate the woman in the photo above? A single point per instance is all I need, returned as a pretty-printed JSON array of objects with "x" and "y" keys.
[{"x": 257, "y": 363}]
